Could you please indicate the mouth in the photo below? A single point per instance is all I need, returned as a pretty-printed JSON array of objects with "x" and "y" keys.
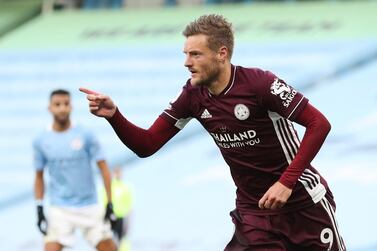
[
  {"x": 62, "y": 116},
  {"x": 193, "y": 72}
]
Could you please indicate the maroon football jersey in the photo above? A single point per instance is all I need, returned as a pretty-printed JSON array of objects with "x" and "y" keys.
[{"x": 250, "y": 123}]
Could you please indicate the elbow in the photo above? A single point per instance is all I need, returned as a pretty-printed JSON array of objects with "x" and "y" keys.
[
  {"x": 143, "y": 149},
  {"x": 144, "y": 154},
  {"x": 329, "y": 127},
  {"x": 147, "y": 150},
  {"x": 326, "y": 127},
  {"x": 321, "y": 127}
]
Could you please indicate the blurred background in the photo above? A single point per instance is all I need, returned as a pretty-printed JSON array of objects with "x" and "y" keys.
[{"x": 132, "y": 51}]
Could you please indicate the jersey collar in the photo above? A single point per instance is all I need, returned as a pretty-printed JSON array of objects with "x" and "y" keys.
[{"x": 230, "y": 83}]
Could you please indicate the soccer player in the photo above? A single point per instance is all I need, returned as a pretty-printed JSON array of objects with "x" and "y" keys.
[
  {"x": 282, "y": 203},
  {"x": 67, "y": 150}
]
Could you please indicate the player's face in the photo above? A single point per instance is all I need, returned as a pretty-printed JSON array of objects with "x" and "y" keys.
[
  {"x": 201, "y": 61},
  {"x": 60, "y": 108}
]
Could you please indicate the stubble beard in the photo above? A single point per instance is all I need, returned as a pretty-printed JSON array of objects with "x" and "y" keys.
[
  {"x": 213, "y": 73},
  {"x": 62, "y": 121}
]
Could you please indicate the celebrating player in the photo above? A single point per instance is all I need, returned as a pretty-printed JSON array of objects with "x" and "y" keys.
[{"x": 249, "y": 113}]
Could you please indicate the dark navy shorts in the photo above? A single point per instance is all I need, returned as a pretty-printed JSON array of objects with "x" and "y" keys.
[{"x": 311, "y": 229}]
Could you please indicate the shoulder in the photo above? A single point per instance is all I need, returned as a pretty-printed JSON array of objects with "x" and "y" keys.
[
  {"x": 255, "y": 73},
  {"x": 189, "y": 88},
  {"x": 255, "y": 78},
  {"x": 188, "y": 92},
  {"x": 40, "y": 136}
]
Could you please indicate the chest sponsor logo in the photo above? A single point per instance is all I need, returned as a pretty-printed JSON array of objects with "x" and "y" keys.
[
  {"x": 283, "y": 91},
  {"x": 232, "y": 140},
  {"x": 241, "y": 112},
  {"x": 206, "y": 114}
]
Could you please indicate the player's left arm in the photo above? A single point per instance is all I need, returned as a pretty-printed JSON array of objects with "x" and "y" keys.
[
  {"x": 287, "y": 103},
  {"x": 95, "y": 153},
  {"x": 39, "y": 185},
  {"x": 106, "y": 177},
  {"x": 317, "y": 128}
]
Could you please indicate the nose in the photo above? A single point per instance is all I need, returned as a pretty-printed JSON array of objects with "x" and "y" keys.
[
  {"x": 188, "y": 62},
  {"x": 63, "y": 108}
]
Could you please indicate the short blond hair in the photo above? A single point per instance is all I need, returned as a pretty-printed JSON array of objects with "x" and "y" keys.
[{"x": 217, "y": 28}]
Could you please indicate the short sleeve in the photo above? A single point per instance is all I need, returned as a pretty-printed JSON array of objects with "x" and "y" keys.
[
  {"x": 39, "y": 160},
  {"x": 93, "y": 147},
  {"x": 178, "y": 112},
  {"x": 277, "y": 96}
]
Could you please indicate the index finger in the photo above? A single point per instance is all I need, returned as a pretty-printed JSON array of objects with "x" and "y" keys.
[{"x": 87, "y": 91}]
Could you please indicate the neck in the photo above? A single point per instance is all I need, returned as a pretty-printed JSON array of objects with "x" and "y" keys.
[
  {"x": 222, "y": 81},
  {"x": 61, "y": 126}
]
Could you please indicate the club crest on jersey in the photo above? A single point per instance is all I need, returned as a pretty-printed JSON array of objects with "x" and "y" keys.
[
  {"x": 283, "y": 91},
  {"x": 241, "y": 111},
  {"x": 76, "y": 144}
]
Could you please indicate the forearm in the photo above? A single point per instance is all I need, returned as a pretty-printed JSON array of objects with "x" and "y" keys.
[
  {"x": 317, "y": 129},
  {"x": 39, "y": 186},
  {"x": 143, "y": 142},
  {"x": 106, "y": 177}
]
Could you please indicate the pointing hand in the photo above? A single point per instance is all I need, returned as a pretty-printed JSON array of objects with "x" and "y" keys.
[{"x": 99, "y": 104}]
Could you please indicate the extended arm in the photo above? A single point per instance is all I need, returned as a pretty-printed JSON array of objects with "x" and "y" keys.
[
  {"x": 143, "y": 142},
  {"x": 317, "y": 128}
]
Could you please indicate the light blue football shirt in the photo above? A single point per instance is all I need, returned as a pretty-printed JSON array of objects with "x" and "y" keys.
[{"x": 68, "y": 157}]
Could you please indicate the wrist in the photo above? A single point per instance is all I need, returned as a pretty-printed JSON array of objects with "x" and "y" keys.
[
  {"x": 39, "y": 202},
  {"x": 112, "y": 113},
  {"x": 115, "y": 115},
  {"x": 287, "y": 183}
]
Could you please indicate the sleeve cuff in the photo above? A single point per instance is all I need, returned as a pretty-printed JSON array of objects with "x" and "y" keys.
[{"x": 287, "y": 183}]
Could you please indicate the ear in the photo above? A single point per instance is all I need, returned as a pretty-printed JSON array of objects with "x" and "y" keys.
[{"x": 222, "y": 53}]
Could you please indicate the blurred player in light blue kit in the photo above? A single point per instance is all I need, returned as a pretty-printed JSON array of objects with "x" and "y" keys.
[{"x": 67, "y": 151}]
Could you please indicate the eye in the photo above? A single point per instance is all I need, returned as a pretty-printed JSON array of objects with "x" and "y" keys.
[{"x": 197, "y": 55}]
